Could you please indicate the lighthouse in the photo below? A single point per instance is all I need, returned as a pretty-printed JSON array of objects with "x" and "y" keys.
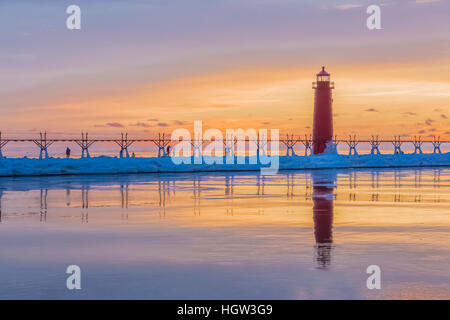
[{"x": 323, "y": 117}]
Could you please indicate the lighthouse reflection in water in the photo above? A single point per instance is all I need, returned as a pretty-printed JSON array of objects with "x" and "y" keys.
[{"x": 323, "y": 201}]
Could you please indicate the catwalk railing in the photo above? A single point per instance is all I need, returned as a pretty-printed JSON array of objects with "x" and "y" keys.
[{"x": 164, "y": 143}]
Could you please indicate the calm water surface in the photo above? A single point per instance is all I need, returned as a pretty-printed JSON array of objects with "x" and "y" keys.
[{"x": 296, "y": 235}]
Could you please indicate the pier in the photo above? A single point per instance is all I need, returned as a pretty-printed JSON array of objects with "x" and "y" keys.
[{"x": 162, "y": 140}]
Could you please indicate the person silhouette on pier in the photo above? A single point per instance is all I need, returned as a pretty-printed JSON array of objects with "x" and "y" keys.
[{"x": 67, "y": 152}]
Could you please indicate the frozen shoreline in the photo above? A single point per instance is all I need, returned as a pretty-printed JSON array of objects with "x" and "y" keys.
[{"x": 114, "y": 165}]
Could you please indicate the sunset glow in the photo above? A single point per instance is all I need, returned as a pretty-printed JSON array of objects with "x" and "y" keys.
[{"x": 394, "y": 82}]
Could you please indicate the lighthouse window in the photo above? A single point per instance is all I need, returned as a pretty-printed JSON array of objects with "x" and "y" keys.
[{"x": 323, "y": 78}]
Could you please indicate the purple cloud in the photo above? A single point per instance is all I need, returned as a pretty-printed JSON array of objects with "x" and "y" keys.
[
  {"x": 110, "y": 124},
  {"x": 114, "y": 125},
  {"x": 371, "y": 110},
  {"x": 162, "y": 124},
  {"x": 140, "y": 124}
]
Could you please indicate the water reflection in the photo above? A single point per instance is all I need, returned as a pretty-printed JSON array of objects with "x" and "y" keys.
[
  {"x": 196, "y": 189},
  {"x": 85, "y": 203},
  {"x": 292, "y": 185},
  {"x": 227, "y": 193},
  {"x": 43, "y": 207},
  {"x": 1, "y": 196},
  {"x": 323, "y": 205},
  {"x": 308, "y": 234},
  {"x": 124, "y": 200}
]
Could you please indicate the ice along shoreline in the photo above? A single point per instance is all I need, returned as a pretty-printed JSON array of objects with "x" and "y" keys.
[{"x": 114, "y": 165}]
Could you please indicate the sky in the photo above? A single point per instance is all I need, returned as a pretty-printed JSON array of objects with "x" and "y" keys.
[{"x": 145, "y": 67}]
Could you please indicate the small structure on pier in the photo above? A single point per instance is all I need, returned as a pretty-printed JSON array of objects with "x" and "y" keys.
[
  {"x": 84, "y": 143},
  {"x": 230, "y": 142},
  {"x": 161, "y": 143},
  {"x": 290, "y": 142},
  {"x": 374, "y": 143},
  {"x": 262, "y": 145},
  {"x": 197, "y": 144},
  {"x": 436, "y": 145},
  {"x": 43, "y": 144},
  {"x": 352, "y": 143},
  {"x": 2, "y": 144},
  {"x": 308, "y": 144},
  {"x": 124, "y": 143},
  {"x": 417, "y": 145},
  {"x": 397, "y": 145}
]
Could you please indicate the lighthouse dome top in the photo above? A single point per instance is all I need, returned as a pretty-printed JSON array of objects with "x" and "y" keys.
[
  {"x": 323, "y": 76},
  {"x": 323, "y": 72}
]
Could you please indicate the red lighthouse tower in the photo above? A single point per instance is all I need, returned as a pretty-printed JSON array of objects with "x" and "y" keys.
[{"x": 323, "y": 117}]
